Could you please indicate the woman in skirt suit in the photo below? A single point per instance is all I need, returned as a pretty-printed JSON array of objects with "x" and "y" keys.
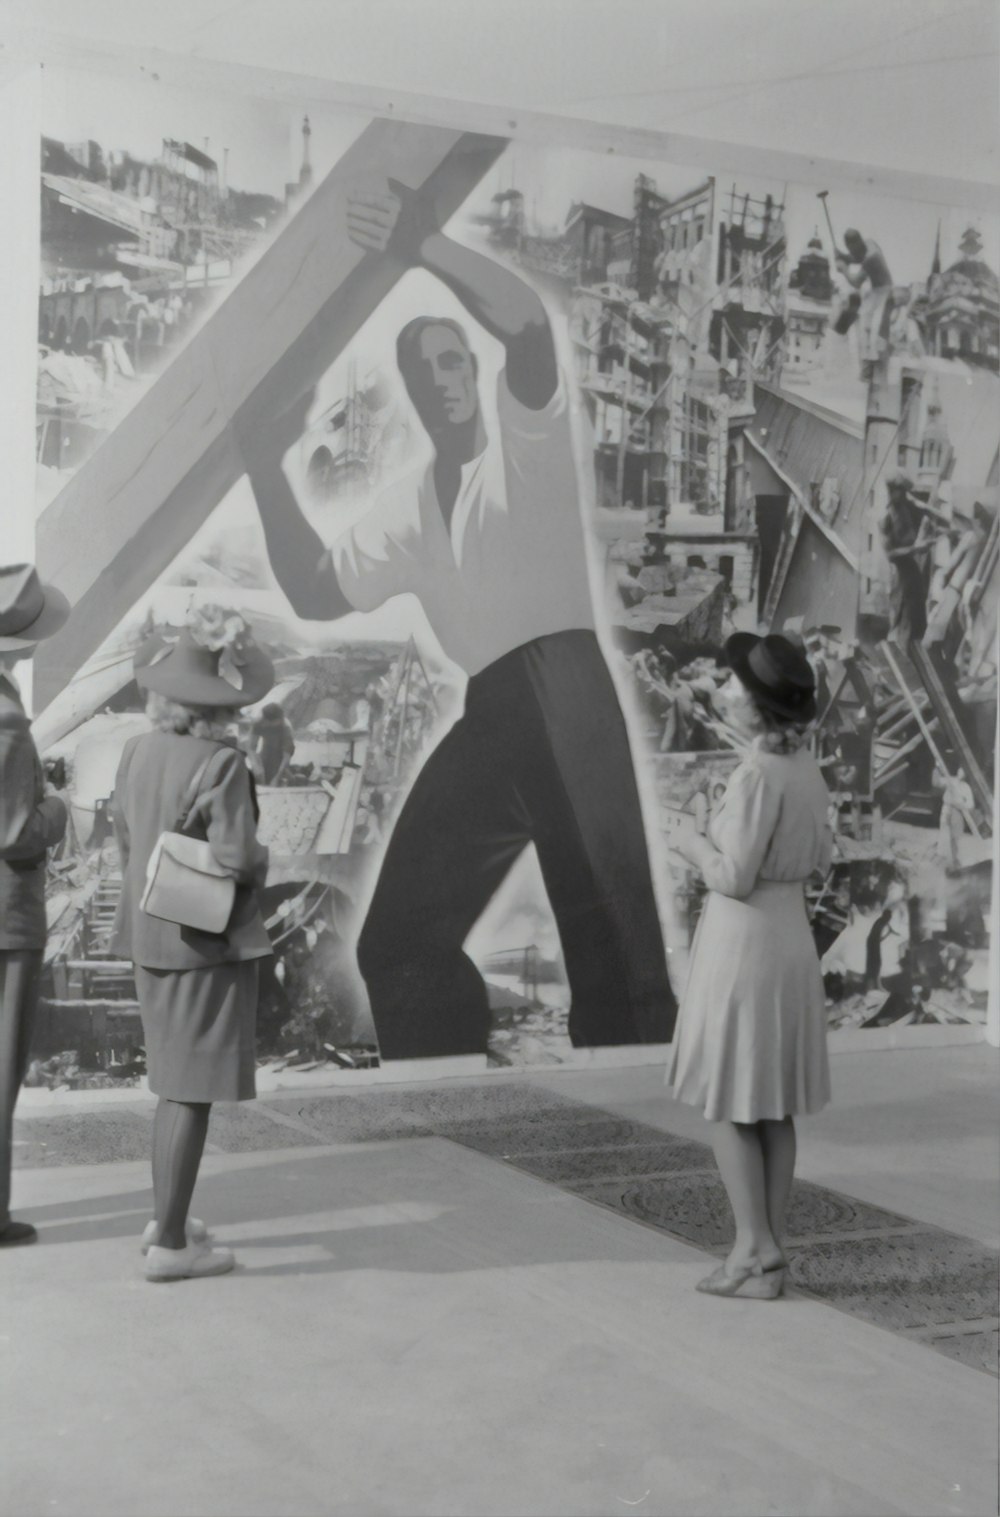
[
  {"x": 197, "y": 990},
  {"x": 750, "y": 1046}
]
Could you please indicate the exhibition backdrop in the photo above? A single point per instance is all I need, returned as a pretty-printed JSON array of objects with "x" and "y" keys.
[{"x": 769, "y": 407}]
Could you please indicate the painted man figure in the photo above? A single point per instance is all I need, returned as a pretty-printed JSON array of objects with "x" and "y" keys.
[{"x": 488, "y": 535}]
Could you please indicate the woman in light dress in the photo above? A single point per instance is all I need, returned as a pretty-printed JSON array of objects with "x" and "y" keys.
[{"x": 750, "y": 1045}]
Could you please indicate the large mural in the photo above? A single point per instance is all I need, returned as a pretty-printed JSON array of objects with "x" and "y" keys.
[{"x": 493, "y": 446}]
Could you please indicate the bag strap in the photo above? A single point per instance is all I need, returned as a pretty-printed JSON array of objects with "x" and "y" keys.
[
  {"x": 192, "y": 794},
  {"x": 125, "y": 762}
]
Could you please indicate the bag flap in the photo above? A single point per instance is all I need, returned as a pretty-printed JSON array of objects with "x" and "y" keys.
[{"x": 193, "y": 853}]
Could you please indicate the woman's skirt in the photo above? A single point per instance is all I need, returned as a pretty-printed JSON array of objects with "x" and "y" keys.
[
  {"x": 200, "y": 1030},
  {"x": 750, "y": 1042}
]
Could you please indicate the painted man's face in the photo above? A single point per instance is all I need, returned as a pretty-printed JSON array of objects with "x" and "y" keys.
[{"x": 442, "y": 381}]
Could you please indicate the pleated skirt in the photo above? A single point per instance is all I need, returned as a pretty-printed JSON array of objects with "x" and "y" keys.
[
  {"x": 200, "y": 1031},
  {"x": 750, "y": 1042}
]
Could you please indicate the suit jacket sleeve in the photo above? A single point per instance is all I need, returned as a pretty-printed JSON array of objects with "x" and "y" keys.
[
  {"x": 228, "y": 811},
  {"x": 30, "y": 822}
]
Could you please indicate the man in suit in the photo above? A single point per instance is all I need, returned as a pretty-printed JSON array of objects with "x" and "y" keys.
[
  {"x": 487, "y": 533},
  {"x": 32, "y": 820}
]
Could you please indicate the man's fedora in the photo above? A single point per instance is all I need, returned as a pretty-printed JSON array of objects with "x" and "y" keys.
[
  {"x": 186, "y": 672},
  {"x": 29, "y": 610},
  {"x": 777, "y": 674}
]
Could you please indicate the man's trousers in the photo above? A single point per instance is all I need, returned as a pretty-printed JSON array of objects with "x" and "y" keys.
[
  {"x": 541, "y": 755},
  {"x": 20, "y": 977}
]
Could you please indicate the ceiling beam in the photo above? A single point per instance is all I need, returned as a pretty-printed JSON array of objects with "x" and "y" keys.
[{"x": 185, "y": 71}]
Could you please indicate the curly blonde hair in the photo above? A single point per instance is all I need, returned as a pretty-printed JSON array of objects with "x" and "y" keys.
[
  {"x": 195, "y": 721},
  {"x": 779, "y": 734}
]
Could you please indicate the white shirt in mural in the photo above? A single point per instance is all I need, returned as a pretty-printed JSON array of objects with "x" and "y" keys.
[{"x": 513, "y": 566}]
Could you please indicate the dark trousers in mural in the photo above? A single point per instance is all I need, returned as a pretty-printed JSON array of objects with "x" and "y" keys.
[{"x": 541, "y": 755}]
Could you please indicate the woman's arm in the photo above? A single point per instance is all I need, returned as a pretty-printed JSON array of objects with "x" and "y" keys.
[
  {"x": 230, "y": 827},
  {"x": 731, "y": 863}
]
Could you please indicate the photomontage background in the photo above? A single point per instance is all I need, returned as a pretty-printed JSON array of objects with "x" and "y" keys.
[{"x": 737, "y": 421}]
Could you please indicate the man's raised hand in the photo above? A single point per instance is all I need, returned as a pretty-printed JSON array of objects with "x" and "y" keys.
[{"x": 396, "y": 221}]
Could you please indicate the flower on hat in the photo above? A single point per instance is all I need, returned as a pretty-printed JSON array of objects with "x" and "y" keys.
[{"x": 221, "y": 630}]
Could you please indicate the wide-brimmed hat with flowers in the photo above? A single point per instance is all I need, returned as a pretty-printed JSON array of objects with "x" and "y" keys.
[
  {"x": 213, "y": 662},
  {"x": 29, "y": 609}
]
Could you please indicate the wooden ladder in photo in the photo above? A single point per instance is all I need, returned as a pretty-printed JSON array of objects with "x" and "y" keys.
[{"x": 101, "y": 975}]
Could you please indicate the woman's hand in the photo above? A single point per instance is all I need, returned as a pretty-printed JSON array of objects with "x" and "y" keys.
[
  {"x": 685, "y": 840},
  {"x": 686, "y": 847}
]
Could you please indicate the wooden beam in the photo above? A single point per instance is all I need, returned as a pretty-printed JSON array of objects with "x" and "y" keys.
[
  {"x": 886, "y": 733},
  {"x": 153, "y": 481},
  {"x": 897, "y": 760}
]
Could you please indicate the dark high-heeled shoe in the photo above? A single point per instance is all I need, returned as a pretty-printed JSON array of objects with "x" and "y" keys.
[{"x": 754, "y": 1283}]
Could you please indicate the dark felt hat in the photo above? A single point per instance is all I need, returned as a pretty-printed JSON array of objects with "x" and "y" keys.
[
  {"x": 777, "y": 674},
  {"x": 29, "y": 609},
  {"x": 185, "y": 671}
]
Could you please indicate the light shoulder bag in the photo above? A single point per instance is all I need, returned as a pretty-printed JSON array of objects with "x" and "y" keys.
[{"x": 185, "y": 884}]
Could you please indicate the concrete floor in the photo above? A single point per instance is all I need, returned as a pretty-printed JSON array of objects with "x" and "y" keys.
[
  {"x": 914, "y": 1131},
  {"x": 417, "y": 1329}
]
